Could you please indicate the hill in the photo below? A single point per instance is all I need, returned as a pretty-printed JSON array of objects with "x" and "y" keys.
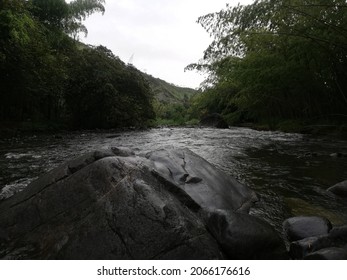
[
  {"x": 167, "y": 93},
  {"x": 171, "y": 103}
]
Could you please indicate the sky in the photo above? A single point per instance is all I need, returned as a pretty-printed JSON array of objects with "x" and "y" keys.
[{"x": 159, "y": 37}]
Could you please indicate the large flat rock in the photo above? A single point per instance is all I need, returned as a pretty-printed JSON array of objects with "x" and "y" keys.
[
  {"x": 115, "y": 205},
  {"x": 205, "y": 184}
]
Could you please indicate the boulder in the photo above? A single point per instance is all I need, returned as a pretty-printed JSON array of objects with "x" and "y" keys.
[
  {"x": 113, "y": 204},
  {"x": 300, "y": 248},
  {"x": 338, "y": 235},
  {"x": 337, "y": 238},
  {"x": 206, "y": 185},
  {"x": 214, "y": 120},
  {"x": 301, "y": 227},
  {"x": 332, "y": 253},
  {"x": 245, "y": 237},
  {"x": 339, "y": 189}
]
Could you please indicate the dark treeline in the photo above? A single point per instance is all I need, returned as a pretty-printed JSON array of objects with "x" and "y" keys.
[
  {"x": 47, "y": 76},
  {"x": 277, "y": 61}
]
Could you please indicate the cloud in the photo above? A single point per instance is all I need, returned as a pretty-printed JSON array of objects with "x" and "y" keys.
[{"x": 163, "y": 35}]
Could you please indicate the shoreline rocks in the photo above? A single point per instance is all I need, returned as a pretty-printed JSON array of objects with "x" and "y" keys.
[
  {"x": 315, "y": 238},
  {"x": 297, "y": 228}
]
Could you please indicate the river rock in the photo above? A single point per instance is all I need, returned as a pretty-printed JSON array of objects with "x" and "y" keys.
[
  {"x": 338, "y": 235},
  {"x": 214, "y": 120},
  {"x": 245, "y": 237},
  {"x": 339, "y": 189},
  {"x": 332, "y": 253},
  {"x": 206, "y": 185},
  {"x": 301, "y": 227},
  {"x": 114, "y": 205},
  {"x": 337, "y": 238},
  {"x": 301, "y": 248}
]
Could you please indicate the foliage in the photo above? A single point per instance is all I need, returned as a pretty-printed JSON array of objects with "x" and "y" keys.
[
  {"x": 51, "y": 12},
  {"x": 282, "y": 59},
  {"x": 101, "y": 87},
  {"x": 172, "y": 113},
  {"x": 27, "y": 65},
  {"x": 79, "y": 10},
  {"x": 169, "y": 93},
  {"x": 66, "y": 16},
  {"x": 172, "y": 103},
  {"x": 45, "y": 76}
]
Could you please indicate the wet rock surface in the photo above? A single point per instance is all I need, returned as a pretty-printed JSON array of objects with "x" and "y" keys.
[
  {"x": 245, "y": 237},
  {"x": 340, "y": 189},
  {"x": 301, "y": 248},
  {"x": 112, "y": 204},
  {"x": 332, "y": 253},
  {"x": 209, "y": 187},
  {"x": 301, "y": 227},
  {"x": 313, "y": 238}
]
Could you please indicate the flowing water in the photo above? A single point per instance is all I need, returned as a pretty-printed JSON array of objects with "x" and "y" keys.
[{"x": 289, "y": 172}]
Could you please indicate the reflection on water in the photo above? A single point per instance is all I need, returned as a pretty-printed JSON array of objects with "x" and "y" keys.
[{"x": 290, "y": 172}]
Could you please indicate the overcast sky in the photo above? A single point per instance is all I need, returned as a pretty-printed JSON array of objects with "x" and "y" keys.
[{"x": 161, "y": 35}]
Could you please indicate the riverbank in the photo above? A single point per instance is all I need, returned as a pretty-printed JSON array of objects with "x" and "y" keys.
[
  {"x": 12, "y": 129},
  {"x": 18, "y": 129}
]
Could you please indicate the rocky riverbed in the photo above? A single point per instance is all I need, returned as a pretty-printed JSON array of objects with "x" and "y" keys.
[
  {"x": 289, "y": 173},
  {"x": 166, "y": 204}
]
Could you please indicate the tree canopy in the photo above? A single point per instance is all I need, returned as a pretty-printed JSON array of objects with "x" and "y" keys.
[
  {"x": 278, "y": 59},
  {"x": 67, "y": 16},
  {"x": 48, "y": 76}
]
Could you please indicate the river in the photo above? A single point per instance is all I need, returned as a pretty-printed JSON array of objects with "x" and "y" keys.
[{"x": 289, "y": 172}]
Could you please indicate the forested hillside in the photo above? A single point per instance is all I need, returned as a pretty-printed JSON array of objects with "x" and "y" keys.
[
  {"x": 47, "y": 78},
  {"x": 169, "y": 93},
  {"x": 172, "y": 103},
  {"x": 276, "y": 62}
]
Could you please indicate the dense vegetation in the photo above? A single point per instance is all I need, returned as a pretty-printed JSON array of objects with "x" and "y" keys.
[
  {"x": 276, "y": 61},
  {"x": 172, "y": 103},
  {"x": 47, "y": 77}
]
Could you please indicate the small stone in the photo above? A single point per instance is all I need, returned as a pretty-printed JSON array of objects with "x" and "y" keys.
[
  {"x": 299, "y": 249},
  {"x": 338, "y": 235},
  {"x": 332, "y": 253},
  {"x": 301, "y": 227},
  {"x": 340, "y": 189}
]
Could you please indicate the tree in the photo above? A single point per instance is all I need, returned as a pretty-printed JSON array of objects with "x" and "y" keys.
[
  {"x": 67, "y": 16},
  {"x": 46, "y": 76},
  {"x": 51, "y": 12},
  {"x": 24, "y": 56},
  {"x": 103, "y": 92},
  {"x": 287, "y": 55}
]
